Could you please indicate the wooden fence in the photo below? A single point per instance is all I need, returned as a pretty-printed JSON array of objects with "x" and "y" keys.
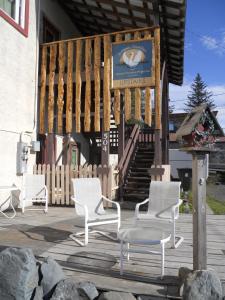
[{"x": 58, "y": 180}]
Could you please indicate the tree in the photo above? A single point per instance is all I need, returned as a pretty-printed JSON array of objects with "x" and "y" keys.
[{"x": 198, "y": 95}]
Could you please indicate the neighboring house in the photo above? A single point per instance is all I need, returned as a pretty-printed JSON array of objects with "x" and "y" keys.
[
  {"x": 182, "y": 160},
  {"x": 24, "y": 26}
]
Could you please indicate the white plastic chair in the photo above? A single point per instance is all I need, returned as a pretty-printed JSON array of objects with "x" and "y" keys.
[
  {"x": 34, "y": 190},
  {"x": 163, "y": 208},
  {"x": 88, "y": 200}
]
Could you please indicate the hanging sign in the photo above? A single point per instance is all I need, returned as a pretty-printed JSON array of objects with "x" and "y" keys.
[{"x": 133, "y": 64}]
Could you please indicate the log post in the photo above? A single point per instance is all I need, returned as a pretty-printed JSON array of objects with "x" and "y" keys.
[
  {"x": 158, "y": 148},
  {"x": 165, "y": 116},
  {"x": 199, "y": 167},
  {"x": 121, "y": 134}
]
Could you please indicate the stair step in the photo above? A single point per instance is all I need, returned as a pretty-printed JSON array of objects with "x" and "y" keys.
[
  {"x": 144, "y": 150},
  {"x": 140, "y": 188},
  {"x": 139, "y": 173},
  {"x": 136, "y": 187},
  {"x": 142, "y": 160},
  {"x": 138, "y": 179},
  {"x": 135, "y": 195},
  {"x": 141, "y": 169},
  {"x": 140, "y": 184},
  {"x": 145, "y": 153},
  {"x": 132, "y": 204},
  {"x": 142, "y": 164}
]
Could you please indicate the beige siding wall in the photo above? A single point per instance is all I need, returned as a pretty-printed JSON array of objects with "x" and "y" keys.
[
  {"x": 18, "y": 80},
  {"x": 18, "y": 56}
]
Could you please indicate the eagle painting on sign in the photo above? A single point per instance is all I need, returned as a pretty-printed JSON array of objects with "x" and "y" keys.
[{"x": 133, "y": 64}]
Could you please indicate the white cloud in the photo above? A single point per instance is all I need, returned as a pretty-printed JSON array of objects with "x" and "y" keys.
[
  {"x": 188, "y": 46},
  {"x": 178, "y": 96},
  {"x": 209, "y": 42},
  {"x": 216, "y": 44}
]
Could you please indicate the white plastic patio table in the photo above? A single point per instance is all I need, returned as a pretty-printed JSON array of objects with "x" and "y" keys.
[
  {"x": 10, "y": 189},
  {"x": 142, "y": 236}
]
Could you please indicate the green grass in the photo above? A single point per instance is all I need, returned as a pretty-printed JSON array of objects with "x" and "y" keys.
[
  {"x": 216, "y": 206},
  {"x": 189, "y": 197}
]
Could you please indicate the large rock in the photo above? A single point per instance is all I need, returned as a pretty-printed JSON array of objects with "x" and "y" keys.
[
  {"x": 183, "y": 274},
  {"x": 66, "y": 290},
  {"x": 51, "y": 273},
  {"x": 87, "y": 290},
  {"x": 18, "y": 274},
  {"x": 202, "y": 285},
  {"x": 38, "y": 293},
  {"x": 116, "y": 296}
]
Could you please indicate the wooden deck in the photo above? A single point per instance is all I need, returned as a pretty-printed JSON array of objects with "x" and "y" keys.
[{"x": 48, "y": 235}]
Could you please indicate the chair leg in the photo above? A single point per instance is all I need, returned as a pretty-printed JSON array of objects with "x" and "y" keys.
[
  {"x": 75, "y": 239},
  {"x": 86, "y": 235},
  {"x": 121, "y": 257},
  {"x": 162, "y": 259},
  {"x": 128, "y": 253},
  {"x": 46, "y": 207},
  {"x": 118, "y": 225},
  {"x": 23, "y": 207},
  {"x": 175, "y": 239}
]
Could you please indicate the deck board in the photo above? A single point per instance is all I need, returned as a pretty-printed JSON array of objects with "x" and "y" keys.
[{"x": 48, "y": 235}]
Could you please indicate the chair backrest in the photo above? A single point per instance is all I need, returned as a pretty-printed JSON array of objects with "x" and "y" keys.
[
  {"x": 33, "y": 186},
  {"x": 163, "y": 195},
  {"x": 88, "y": 192}
]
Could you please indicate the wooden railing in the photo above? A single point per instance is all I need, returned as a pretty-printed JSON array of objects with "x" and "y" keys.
[
  {"x": 128, "y": 153},
  {"x": 146, "y": 136},
  {"x": 58, "y": 180}
]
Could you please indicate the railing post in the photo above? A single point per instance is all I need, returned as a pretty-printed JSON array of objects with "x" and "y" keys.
[
  {"x": 121, "y": 135},
  {"x": 105, "y": 148}
]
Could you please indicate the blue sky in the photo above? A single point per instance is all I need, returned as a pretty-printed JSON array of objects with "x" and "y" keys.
[{"x": 204, "y": 52}]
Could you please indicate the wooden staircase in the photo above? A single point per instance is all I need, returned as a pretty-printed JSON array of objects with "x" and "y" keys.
[{"x": 136, "y": 186}]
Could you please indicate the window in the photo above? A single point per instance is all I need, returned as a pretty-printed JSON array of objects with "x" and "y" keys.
[
  {"x": 171, "y": 127},
  {"x": 16, "y": 12}
]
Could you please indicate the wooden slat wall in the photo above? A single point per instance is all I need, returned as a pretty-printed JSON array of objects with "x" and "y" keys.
[
  {"x": 70, "y": 58},
  {"x": 97, "y": 79},
  {"x": 117, "y": 93},
  {"x": 60, "y": 101},
  {"x": 148, "y": 108},
  {"x": 69, "y": 88},
  {"x": 127, "y": 101},
  {"x": 43, "y": 90},
  {"x": 52, "y": 66},
  {"x": 78, "y": 84},
  {"x": 87, "y": 109},
  {"x": 106, "y": 91}
]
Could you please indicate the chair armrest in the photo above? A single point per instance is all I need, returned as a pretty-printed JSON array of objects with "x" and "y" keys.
[
  {"x": 175, "y": 210},
  {"x": 46, "y": 192},
  {"x": 138, "y": 206},
  {"x": 117, "y": 207},
  {"x": 82, "y": 205},
  {"x": 114, "y": 202}
]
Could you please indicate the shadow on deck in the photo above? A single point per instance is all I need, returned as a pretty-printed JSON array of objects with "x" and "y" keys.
[{"x": 48, "y": 235}]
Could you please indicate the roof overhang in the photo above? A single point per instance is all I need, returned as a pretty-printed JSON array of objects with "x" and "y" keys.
[{"x": 103, "y": 16}]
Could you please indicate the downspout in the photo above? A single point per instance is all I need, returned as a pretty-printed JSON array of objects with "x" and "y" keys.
[{"x": 31, "y": 132}]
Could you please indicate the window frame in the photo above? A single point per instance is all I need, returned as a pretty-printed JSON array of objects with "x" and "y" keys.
[{"x": 23, "y": 30}]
